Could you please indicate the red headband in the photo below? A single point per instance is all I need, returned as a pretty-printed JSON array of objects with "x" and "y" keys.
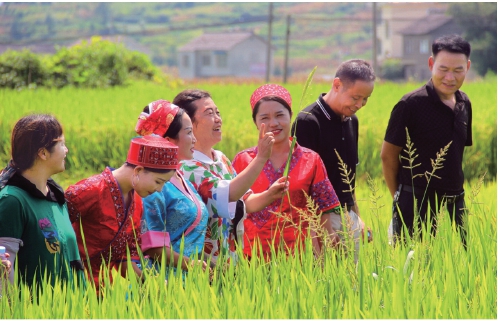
[
  {"x": 270, "y": 90},
  {"x": 161, "y": 114},
  {"x": 153, "y": 152}
]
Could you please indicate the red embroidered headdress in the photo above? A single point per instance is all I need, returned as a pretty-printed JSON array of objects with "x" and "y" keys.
[
  {"x": 153, "y": 152},
  {"x": 161, "y": 114},
  {"x": 270, "y": 90}
]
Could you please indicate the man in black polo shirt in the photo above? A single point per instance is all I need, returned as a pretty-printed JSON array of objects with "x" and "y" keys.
[
  {"x": 436, "y": 114},
  {"x": 330, "y": 125}
]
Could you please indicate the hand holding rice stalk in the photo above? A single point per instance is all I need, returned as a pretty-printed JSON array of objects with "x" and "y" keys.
[{"x": 294, "y": 140}]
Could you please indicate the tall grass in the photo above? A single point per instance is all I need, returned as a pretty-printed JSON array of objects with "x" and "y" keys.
[
  {"x": 100, "y": 123},
  {"x": 435, "y": 278}
]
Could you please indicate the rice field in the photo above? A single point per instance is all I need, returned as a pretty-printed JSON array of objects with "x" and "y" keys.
[
  {"x": 434, "y": 278},
  {"x": 100, "y": 123}
]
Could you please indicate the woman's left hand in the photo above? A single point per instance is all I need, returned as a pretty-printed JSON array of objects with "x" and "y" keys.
[{"x": 265, "y": 144}]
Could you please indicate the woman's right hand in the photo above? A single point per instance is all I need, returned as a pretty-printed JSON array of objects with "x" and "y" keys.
[
  {"x": 199, "y": 262},
  {"x": 265, "y": 144},
  {"x": 5, "y": 265}
]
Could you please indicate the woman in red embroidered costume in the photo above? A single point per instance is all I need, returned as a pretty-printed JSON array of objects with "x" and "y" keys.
[
  {"x": 108, "y": 206},
  {"x": 271, "y": 107}
]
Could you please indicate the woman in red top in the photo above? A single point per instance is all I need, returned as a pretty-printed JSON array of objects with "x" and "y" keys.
[
  {"x": 271, "y": 106},
  {"x": 106, "y": 209}
]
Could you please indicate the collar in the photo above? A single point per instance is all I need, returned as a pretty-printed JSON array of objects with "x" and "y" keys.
[
  {"x": 55, "y": 194},
  {"x": 327, "y": 111},
  {"x": 199, "y": 156},
  {"x": 431, "y": 91}
]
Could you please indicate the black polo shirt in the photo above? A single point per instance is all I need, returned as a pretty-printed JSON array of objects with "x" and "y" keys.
[
  {"x": 320, "y": 129},
  {"x": 431, "y": 126}
]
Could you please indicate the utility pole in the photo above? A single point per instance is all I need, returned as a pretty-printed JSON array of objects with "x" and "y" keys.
[
  {"x": 287, "y": 39},
  {"x": 374, "y": 39},
  {"x": 269, "y": 35}
]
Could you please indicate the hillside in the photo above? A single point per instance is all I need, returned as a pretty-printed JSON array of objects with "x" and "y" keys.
[{"x": 316, "y": 38}]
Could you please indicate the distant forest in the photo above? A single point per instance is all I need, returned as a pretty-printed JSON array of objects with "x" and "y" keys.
[
  {"x": 163, "y": 27},
  {"x": 321, "y": 33}
]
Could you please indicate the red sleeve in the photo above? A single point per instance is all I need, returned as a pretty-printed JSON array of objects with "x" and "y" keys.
[
  {"x": 80, "y": 199},
  {"x": 241, "y": 161}
]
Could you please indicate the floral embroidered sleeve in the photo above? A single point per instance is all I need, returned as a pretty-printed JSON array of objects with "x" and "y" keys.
[{"x": 212, "y": 183}]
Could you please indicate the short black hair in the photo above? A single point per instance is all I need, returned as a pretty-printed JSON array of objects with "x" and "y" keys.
[
  {"x": 451, "y": 43},
  {"x": 355, "y": 69},
  {"x": 185, "y": 100}
]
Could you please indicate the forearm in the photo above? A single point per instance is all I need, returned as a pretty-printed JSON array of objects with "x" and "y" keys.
[
  {"x": 390, "y": 165},
  {"x": 124, "y": 269},
  {"x": 257, "y": 202},
  {"x": 245, "y": 179},
  {"x": 326, "y": 223},
  {"x": 355, "y": 207},
  {"x": 390, "y": 171},
  {"x": 171, "y": 257},
  {"x": 211, "y": 261}
]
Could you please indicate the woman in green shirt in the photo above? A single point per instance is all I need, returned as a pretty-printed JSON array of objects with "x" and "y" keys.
[{"x": 34, "y": 220}]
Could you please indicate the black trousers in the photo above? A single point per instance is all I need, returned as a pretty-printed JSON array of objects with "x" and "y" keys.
[{"x": 405, "y": 203}]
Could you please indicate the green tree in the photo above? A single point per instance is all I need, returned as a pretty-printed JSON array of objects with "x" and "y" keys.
[{"x": 479, "y": 20}]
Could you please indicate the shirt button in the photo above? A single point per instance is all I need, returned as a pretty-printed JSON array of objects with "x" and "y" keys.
[{"x": 342, "y": 138}]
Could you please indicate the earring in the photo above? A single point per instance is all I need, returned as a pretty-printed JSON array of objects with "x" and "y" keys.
[{"x": 133, "y": 181}]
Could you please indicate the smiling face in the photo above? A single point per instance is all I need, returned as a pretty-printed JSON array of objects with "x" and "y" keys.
[
  {"x": 349, "y": 98},
  {"x": 147, "y": 182},
  {"x": 185, "y": 139},
  {"x": 276, "y": 119},
  {"x": 55, "y": 157},
  {"x": 448, "y": 72},
  {"x": 207, "y": 124}
]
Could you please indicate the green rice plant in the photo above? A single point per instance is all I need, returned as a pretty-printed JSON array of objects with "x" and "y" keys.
[
  {"x": 99, "y": 123},
  {"x": 439, "y": 279}
]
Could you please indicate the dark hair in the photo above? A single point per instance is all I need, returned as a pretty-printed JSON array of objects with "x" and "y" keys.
[
  {"x": 30, "y": 134},
  {"x": 270, "y": 98},
  {"x": 355, "y": 69},
  {"x": 451, "y": 43},
  {"x": 153, "y": 170},
  {"x": 176, "y": 125},
  {"x": 186, "y": 98}
]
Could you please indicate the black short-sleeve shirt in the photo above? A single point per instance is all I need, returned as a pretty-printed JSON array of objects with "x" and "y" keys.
[
  {"x": 320, "y": 129},
  {"x": 431, "y": 126}
]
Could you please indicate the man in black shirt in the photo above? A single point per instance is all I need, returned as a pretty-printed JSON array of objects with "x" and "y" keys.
[
  {"x": 434, "y": 115},
  {"x": 329, "y": 125}
]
